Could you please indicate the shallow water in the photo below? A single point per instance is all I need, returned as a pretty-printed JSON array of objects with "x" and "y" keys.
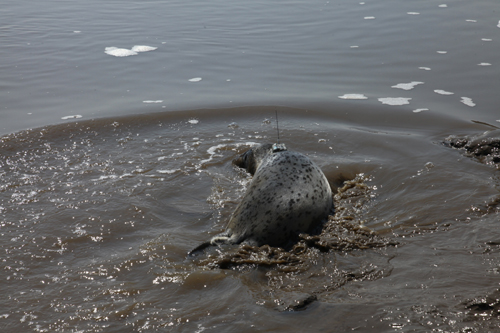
[{"x": 128, "y": 165}]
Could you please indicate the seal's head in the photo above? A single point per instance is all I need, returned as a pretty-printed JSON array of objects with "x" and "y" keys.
[{"x": 252, "y": 158}]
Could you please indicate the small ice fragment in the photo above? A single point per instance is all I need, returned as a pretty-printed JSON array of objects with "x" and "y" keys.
[
  {"x": 143, "y": 48},
  {"x": 354, "y": 46},
  {"x": 195, "y": 79},
  {"x": 468, "y": 101},
  {"x": 442, "y": 52},
  {"x": 369, "y": 17},
  {"x": 471, "y": 21},
  {"x": 76, "y": 116},
  {"x": 150, "y": 101},
  {"x": 395, "y": 100},
  {"x": 353, "y": 96},
  {"x": 425, "y": 68},
  {"x": 443, "y": 92},
  {"x": 76, "y": 31},
  {"x": 498, "y": 25},
  {"x": 193, "y": 121},
  {"x": 407, "y": 86},
  {"x": 228, "y": 80},
  {"x": 413, "y": 13},
  {"x": 420, "y": 110},
  {"x": 484, "y": 64},
  {"x": 443, "y": 6},
  {"x": 486, "y": 39},
  {"x": 114, "y": 51}
]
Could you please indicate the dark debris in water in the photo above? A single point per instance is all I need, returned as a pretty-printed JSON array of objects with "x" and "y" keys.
[
  {"x": 485, "y": 308},
  {"x": 484, "y": 147}
]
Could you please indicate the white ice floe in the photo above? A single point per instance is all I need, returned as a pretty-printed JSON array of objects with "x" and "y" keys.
[
  {"x": 143, "y": 48},
  {"x": 395, "y": 100},
  {"x": 498, "y": 25},
  {"x": 442, "y": 52},
  {"x": 407, "y": 86},
  {"x": 153, "y": 102},
  {"x": 443, "y": 6},
  {"x": 484, "y": 64},
  {"x": 425, "y": 68},
  {"x": 443, "y": 92},
  {"x": 486, "y": 39},
  {"x": 195, "y": 79},
  {"x": 75, "y": 116},
  {"x": 420, "y": 110},
  {"x": 468, "y": 101},
  {"x": 473, "y": 21},
  {"x": 369, "y": 17},
  {"x": 353, "y": 96},
  {"x": 120, "y": 52},
  {"x": 413, "y": 13}
]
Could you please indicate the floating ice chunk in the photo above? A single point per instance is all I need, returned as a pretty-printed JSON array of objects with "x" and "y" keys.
[
  {"x": 468, "y": 101},
  {"x": 193, "y": 121},
  {"x": 413, "y": 13},
  {"x": 369, "y": 17},
  {"x": 195, "y": 79},
  {"x": 498, "y": 25},
  {"x": 353, "y": 96},
  {"x": 407, "y": 86},
  {"x": 150, "y": 102},
  {"x": 76, "y": 116},
  {"x": 354, "y": 46},
  {"x": 486, "y": 39},
  {"x": 473, "y": 21},
  {"x": 143, "y": 48},
  {"x": 443, "y": 6},
  {"x": 425, "y": 68},
  {"x": 395, "y": 100},
  {"x": 76, "y": 31},
  {"x": 117, "y": 52},
  {"x": 484, "y": 64},
  {"x": 443, "y": 92},
  {"x": 442, "y": 52},
  {"x": 420, "y": 110}
]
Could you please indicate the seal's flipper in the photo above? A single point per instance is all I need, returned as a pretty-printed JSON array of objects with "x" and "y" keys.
[{"x": 199, "y": 248}]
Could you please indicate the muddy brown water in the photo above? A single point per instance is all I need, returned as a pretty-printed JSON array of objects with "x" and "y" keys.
[{"x": 98, "y": 216}]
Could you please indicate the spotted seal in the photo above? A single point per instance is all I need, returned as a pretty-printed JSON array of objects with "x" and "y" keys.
[{"x": 288, "y": 195}]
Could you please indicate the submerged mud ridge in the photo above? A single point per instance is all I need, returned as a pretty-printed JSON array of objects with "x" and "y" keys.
[{"x": 484, "y": 147}]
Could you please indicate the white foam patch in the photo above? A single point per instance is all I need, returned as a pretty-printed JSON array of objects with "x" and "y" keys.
[
  {"x": 442, "y": 52},
  {"x": 195, "y": 79},
  {"x": 76, "y": 116},
  {"x": 413, "y": 13},
  {"x": 193, "y": 121},
  {"x": 498, "y": 25},
  {"x": 369, "y": 17},
  {"x": 473, "y": 21},
  {"x": 143, "y": 48},
  {"x": 354, "y": 46},
  {"x": 168, "y": 171},
  {"x": 484, "y": 64},
  {"x": 486, "y": 39},
  {"x": 443, "y": 92},
  {"x": 407, "y": 86},
  {"x": 468, "y": 101},
  {"x": 395, "y": 100},
  {"x": 117, "y": 52},
  {"x": 443, "y": 6},
  {"x": 420, "y": 110},
  {"x": 425, "y": 68},
  {"x": 353, "y": 96},
  {"x": 153, "y": 102}
]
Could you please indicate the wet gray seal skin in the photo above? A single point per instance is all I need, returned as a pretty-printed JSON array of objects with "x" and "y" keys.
[{"x": 288, "y": 195}]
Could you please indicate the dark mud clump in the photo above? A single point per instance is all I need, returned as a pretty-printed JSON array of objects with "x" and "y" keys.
[{"x": 484, "y": 147}]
